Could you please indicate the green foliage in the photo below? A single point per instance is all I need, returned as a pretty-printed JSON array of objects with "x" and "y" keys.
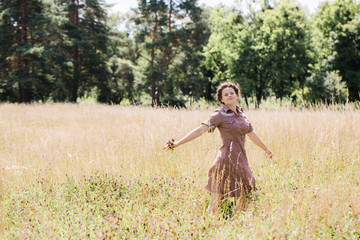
[
  {"x": 63, "y": 50},
  {"x": 337, "y": 36},
  {"x": 224, "y": 24},
  {"x": 45, "y": 55},
  {"x": 269, "y": 49},
  {"x": 88, "y": 35},
  {"x": 24, "y": 51},
  {"x": 347, "y": 56},
  {"x": 168, "y": 38}
]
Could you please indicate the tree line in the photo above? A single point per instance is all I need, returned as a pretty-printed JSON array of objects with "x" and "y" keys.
[{"x": 171, "y": 51}]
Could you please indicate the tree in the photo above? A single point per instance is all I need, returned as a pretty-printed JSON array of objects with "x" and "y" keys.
[
  {"x": 347, "y": 56},
  {"x": 39, "y": 48},
  {"x": 325, "y": 86},
  {"x": 166, "y": 30},
  {"x": 87, "y": 36},
  {"x": 292, "y": 53},
  {"x": 225, "y": 23},
  {"x": 270, "y": 49},
  {"x": 337, "y": 41},
  {"x": 24, "y": 50}
]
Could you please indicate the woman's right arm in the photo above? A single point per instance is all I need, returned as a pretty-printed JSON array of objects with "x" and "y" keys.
[{"x": 197, "y": 132}]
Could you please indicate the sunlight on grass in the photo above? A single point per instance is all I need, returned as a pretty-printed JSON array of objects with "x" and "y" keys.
[{"x": 95, "y": 171}]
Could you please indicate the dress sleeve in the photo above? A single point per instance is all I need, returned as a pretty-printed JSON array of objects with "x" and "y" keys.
[
  {"x": 213, "y": 121},
  {"x": 250, "y": 128},
  {"x": 250, "y": 125}
]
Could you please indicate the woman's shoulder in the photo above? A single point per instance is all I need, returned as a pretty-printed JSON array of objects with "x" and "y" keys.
[
  {"x": 220, "y": 114},
  {"x": 220, "y": 110},
  {"x": 216, "y": 112}
]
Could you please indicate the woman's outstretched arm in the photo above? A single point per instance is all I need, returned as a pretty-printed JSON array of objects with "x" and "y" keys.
[
  {"x": 256, "y": 139},
  {"x": 197, "y": 132}
]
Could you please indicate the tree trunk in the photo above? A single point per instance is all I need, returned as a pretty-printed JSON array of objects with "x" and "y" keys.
[
  {"x": 258, "y": 89},
  {"x": 246, "y": 101},
  {"x": 154, "y": 92},
  {"x": 76, "y": 75},
  {"x": 24, "y": 90},
  {"x": 208, "y": 91},
  {"x": 153, "y": 75},
  {"x": 258, "y": 99},
  {"x": 75, "y": 57}
]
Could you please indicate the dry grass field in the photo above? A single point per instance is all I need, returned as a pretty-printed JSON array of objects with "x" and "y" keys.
[{"x": 99, "y": 172}]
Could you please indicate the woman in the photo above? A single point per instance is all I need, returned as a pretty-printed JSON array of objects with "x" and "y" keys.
[{"x": 229, "y": 175}]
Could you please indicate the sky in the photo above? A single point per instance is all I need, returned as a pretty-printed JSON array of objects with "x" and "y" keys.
[{"x": 125, "y": 5}]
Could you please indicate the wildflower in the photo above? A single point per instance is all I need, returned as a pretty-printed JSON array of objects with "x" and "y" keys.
[{"x": 170, "y": 144}]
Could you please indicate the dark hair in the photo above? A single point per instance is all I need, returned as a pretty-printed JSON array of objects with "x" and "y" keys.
[{"x": 226, "y": 85}]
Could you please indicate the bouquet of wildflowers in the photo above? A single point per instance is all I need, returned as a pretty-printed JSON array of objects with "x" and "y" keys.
[{"x": 170, "y": 144}]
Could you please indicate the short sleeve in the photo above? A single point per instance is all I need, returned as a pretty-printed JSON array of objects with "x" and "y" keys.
[
  {"x": 250, "y": 128},
  {"x": 213, "y": 121}
]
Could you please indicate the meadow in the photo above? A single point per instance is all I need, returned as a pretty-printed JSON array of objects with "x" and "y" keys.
[{"x": 99, "y": 172}]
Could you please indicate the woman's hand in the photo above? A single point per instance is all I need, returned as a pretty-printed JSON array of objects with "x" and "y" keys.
[
  {"x": 255, "y": 138},
  {"x": 170, "y": 145},
  {"x": 268, "y": 153}
]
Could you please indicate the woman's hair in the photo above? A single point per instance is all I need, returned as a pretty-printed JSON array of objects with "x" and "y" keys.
[{"x": 226, "y": 85}]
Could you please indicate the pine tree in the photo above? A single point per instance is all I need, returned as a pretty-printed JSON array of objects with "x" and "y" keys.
[
  {"x": 87, "y": 35},
  {"x": 23, "y": 52},
  {"x": 167, "y": 31}
]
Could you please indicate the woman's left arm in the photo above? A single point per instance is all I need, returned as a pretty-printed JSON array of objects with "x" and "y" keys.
[{"x": 256, "y": 139}]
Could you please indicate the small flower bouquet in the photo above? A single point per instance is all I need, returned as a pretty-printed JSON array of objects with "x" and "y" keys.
[{"x": 170, "y": 144}]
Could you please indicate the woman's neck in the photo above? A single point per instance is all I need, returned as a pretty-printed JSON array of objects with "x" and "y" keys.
[{"x": 233, "y": 108}]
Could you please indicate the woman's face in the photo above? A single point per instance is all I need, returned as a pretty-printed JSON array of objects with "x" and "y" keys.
[{"x": 228, "y": 96}]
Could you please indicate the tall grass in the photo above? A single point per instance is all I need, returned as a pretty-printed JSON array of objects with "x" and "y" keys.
[{"x": 71, "y": 171}]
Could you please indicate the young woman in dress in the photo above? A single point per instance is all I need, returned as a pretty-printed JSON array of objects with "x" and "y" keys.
[{"x": 229, "y": 175}]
